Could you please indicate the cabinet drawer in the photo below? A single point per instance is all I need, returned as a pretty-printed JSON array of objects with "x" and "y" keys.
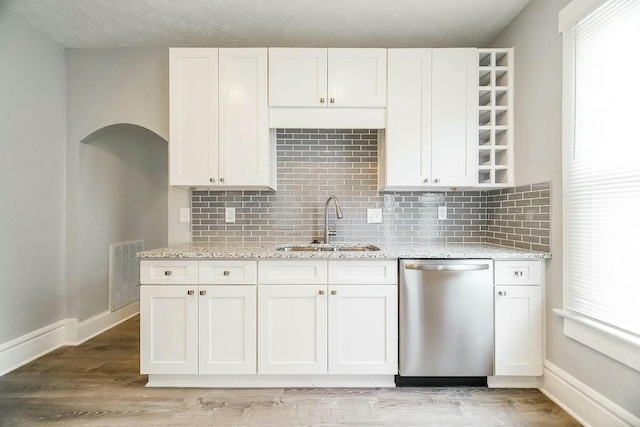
[
  {"x": 228, "y": 272},
  {"x": 363, "y": 272},
  {"x": 518, "y": 272},
  {"x": 292, "y": 272},
  {"x": 169, "y": 272}
]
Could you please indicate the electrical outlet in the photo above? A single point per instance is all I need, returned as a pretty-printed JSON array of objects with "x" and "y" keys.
[
  {"x": 230, "y": 215},
  {"x": 442, "y": 212},
  {"x": 374, "y": 216},
  {"x": 185, "y": 214}
]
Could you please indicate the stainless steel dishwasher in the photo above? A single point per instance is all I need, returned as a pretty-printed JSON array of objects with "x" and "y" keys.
[{"x": 446, "y": 322}]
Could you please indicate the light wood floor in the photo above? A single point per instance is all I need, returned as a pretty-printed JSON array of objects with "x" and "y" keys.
[{"x": 98, "y": 384}]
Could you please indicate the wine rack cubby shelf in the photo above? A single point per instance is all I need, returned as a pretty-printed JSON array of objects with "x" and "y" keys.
[{"x": 495, "y": 117}]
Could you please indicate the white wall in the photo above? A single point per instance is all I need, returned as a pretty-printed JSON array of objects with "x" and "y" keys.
[
  {"x": 106, "y": 87},
  {"x": 32, "y": 138},
  {"x": 538, "y": 151},
  {"x": 123, "y": 197}
]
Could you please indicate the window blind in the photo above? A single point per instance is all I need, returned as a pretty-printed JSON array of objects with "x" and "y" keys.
[{"x": 602, "y": 166}]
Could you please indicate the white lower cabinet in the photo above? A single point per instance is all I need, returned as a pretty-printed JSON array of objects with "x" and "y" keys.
[
  {"x": 197, "y": 329},
  {"x": 227, "y": 329},
  {"x": 339, "y": 329},
  {"x": 363, "y": 329},
  {"x": 518, "y": 318},
  {"x": 292, "y": 329},
  {"x": 168, "y": 329},
  {"x": 518, "y": 330}
]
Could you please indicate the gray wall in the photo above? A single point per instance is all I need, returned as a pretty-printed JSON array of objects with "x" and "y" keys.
[
  {"x": 106, "y": 87},
  {"x": 123, "y": 197},
  {"x": 32, "y": 135},
  {"x": 538, "y": 142}
]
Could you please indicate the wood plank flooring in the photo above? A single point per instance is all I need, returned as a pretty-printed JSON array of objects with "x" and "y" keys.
[{"x": 98, "y": 384}]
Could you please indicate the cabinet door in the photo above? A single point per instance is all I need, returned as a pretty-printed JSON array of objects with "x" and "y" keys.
[
  {"x": 363, "y": 329},
  {"x": 292, "y": 329},
  {"x": 244, "y": 125},
  {"x": 193, "y": 111},
  {"x": 518, "y": 329},
  {"x": 408, "y": 136},
  {"x": 168, "y": 329},
  {"x": 297, "y": 77},
  {"x": 454, "y": 87},
  {"x": 227, "y": 329},
  {"x": 357, "y": 77}
]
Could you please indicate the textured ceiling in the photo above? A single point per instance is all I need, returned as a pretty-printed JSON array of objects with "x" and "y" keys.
[{"x": 234, "y": 23}]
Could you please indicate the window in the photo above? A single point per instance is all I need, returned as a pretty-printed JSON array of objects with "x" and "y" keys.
[{"x": 601, "y": 158}]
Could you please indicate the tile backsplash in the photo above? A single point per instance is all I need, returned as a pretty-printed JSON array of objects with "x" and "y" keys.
[{"x": 315, "y": 163}]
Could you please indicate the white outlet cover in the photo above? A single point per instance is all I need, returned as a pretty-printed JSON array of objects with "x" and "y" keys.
[
  {"x": 374, "y": 216},
  {"x": 185, "y": 215},
  {"x": 442, "y": 212},
  {"x": 230, "y": 215}
]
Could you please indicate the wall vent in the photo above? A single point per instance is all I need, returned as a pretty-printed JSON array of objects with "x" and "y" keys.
[{"x": 124, "y": 274}]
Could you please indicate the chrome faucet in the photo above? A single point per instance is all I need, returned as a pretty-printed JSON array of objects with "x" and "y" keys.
[{"x": 328, "y": 233}]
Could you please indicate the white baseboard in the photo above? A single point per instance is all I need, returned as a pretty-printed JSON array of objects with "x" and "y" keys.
[
  {"x": 24, "y": 349},
  {"x": 513, "y": 382},
  {"x": 270, "y": 381},
  {"x": 581, "y": 401}
]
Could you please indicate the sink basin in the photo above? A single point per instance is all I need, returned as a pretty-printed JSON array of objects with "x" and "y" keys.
[{"x": 328, "y": 248}]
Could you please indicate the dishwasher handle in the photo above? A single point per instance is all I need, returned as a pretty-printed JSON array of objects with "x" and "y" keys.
[{"x": 447, "y": 267}]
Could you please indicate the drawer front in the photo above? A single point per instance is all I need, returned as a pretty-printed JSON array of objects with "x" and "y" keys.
[
  {"x": 228, "y": 272},
  {"x": 363, "y": 272},
  {"x": 518, "y": 272},
  {"x": 169, "y": 272},
  {"x": 307, "y": 272}
]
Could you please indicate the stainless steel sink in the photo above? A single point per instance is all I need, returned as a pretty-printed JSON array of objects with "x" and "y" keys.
[{"x": 331, "y": 248}]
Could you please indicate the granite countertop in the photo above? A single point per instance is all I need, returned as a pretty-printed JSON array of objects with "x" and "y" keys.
[{"x": 392, "y": 251}]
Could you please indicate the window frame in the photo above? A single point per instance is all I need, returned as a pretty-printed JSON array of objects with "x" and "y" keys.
[{"x": 619, "y": 345}]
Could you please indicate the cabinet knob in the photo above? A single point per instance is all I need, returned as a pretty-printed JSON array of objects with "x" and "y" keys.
[
  {"x": 190, "y": 292},
  {"x": 320, "y": 292},
  {"x": 168, "y": 273},
  {"x": 226, "y": 273},
  {"x": 437, "y": 180},
  {"x": 332, "y": 100},
  {"x": 517, "y": 273},
  {"x": 221, "y": 179},
  {"x": 203, "y": 292},
  {"x": 212, "y": 180},
  {"x": 334, "y": 292},
  {"x": 321, "y": 100},
  {"x": 502, "y": 293},
  {"x": 426, "y": 180}
]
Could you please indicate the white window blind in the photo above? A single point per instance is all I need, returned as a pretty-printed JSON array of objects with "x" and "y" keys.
[{"x": 602, "y": 166}]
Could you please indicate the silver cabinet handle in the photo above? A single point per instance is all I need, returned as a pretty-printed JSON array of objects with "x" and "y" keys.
[
  {"x": 168, "y": 273},
  {"x": 502, "y": 293},
  {"x": 321, "y": 100},
  {"x": 517, "y": 273},
  {"x": 437, "y": 180},
  {"x": 447, "y": 267},
  {"x": 332, "y": 100},
  {"x": 190, "y": 292},
  {"x": 426, "y": 180},
  {"x": 225, "y": 273},
  {"x": 212, "y": 180},
  {"x": 320, "y": 292},
  {"x": 221, "y": 179},
  {"x": 334, "y": 292},
  {"x": 203, "y": 292}
]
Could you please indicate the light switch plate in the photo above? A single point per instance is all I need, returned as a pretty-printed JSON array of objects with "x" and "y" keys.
[
  {"x": 442, "y": 212},
  {"x": 374, "y": 216},
  {"x": 185, "y": 215},
  {"x": 230, "y": 215}
]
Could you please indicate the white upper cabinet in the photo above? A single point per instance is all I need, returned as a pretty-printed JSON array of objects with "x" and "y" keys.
[
  {"x": 297, "y": 77},
  {"x": 219, "y": 132},
  {"x": 327, "y": 88},
  {"x": 193, "y": 111},
  {"x": 357, "y": 77},
  {"x": 431, "y": 119}
]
